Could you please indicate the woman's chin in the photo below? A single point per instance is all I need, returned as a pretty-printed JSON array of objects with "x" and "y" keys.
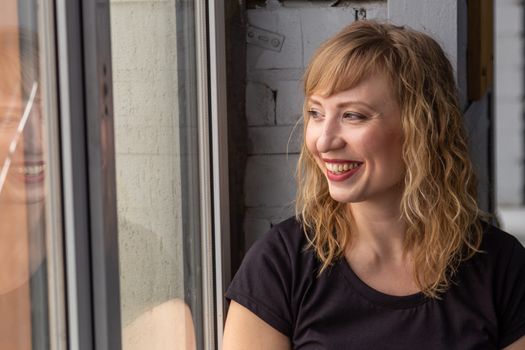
[
  {"x": 22, "y": 194},
  {"x": 343, "y": 197}
]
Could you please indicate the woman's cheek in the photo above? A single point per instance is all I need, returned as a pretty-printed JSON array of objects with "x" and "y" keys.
[{"x": 310, "y": 140}]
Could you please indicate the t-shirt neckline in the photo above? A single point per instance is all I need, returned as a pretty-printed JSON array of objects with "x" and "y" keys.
[{"x": 375, "y": 296}]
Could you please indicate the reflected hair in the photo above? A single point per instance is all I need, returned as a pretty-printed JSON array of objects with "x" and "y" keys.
[
  {"x": 18, "y": 60},
  {"x": 439, "y": 198}
]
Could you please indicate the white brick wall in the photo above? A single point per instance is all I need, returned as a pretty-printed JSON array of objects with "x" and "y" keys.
[
  {"x": 508, "y": 103},
  {"x": 510, "y": 126}
]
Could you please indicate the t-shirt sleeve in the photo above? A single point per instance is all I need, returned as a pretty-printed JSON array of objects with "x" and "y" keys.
[
  {"x": 263, "y": 282},
  {"x": 512, "y": 297}
]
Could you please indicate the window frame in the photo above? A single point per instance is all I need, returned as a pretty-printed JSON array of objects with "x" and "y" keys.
[{"x": 83, "y": 37}]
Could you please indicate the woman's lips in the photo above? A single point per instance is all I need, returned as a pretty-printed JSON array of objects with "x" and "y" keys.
[
  {"x": 29, "y": 172},
  {"x": 335, "y": 171}
]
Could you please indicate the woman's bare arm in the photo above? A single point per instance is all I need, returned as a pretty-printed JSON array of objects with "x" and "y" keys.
[
  {"x": 166, "y": 326},
  {"x": 245, "y": 331},
  {"x": 517, "y": 345}
]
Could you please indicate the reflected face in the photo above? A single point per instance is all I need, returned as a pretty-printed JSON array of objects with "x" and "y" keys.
[
  {"x": 24, "y": 182},
  {"x": 356, "y": 139}
]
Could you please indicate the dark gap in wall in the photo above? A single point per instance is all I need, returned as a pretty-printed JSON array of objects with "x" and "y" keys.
[
  {"x": 523, "y": 106},
  {"x": 235, "y": 18},
  {"x": 491, "y": 155},
  {"x": 274, "y": 94},
  {"x": 187, "y": 90},
  {"x": 253, "y": 4}
]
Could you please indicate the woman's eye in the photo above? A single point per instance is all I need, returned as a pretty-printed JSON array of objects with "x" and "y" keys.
[
  {"x": 9, "y": 121},
  {"x": 314, "y": 114},
  {"x": 354, "y": 116}
]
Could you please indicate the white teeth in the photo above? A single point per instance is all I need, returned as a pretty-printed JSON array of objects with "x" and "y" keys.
[
  {"x": 30, "y": 170},
  {"x": 340, "y": 168}
]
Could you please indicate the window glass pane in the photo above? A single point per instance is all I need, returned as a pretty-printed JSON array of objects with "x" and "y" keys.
[
  {"x": 26, "y": 233},
  {"x": 157, "y": 173}
]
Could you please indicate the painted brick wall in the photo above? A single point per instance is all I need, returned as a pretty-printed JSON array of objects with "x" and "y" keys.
[
  {"x": 510, "y": 122},
  {"x": 510, "y": 128},
  {"x": 274, "y": 102}
]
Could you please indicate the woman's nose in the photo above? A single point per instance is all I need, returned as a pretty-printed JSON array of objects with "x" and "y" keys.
[
  {"x": 33, "y": 132},
  {"x": 330, "y": 138}
]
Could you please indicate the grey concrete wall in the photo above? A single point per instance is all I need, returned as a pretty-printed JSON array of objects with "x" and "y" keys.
[
  {"x": 144, "y": 46},
  {"x": 274, "y": 102}
]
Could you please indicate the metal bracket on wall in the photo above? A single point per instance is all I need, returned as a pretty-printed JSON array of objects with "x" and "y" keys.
[
  {"x": 264, "y": 38},
  {"x": 360, "y": 14}
]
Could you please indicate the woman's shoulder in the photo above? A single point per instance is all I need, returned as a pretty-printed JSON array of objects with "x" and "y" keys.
[
  {"x": 500, "y": 263},
  {"x": 503, "y": 265},
  {"x": 274, "y": 270},
  {"x": 501, "y": 245},
  {"x": 291, "y": 228},
  {"x": 282, "y": 252},
  {"x": 286, "y": 237}
]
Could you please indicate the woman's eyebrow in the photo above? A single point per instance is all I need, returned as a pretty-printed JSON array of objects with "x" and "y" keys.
[
  {"x": 355, "y": 103},
  {"x": 313, "y": 101},
  {"x": 4, "y": 109},
  {"x": 345, "y": 104}
]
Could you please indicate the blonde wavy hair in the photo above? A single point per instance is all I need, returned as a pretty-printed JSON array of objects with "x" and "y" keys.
[{"x": 439, "y": 199}]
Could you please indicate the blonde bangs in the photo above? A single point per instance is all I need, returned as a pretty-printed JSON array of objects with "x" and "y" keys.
[
  {"x": 10, "y": 68},
  {"x": 18, "y": 61},
  {"x": 342, "y": 56},
  {"x": 439, "y": 200}
]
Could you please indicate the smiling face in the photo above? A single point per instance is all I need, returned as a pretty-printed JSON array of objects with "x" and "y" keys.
[
  {"x": 25, "y": 166},
  {"x": 21, "y": 146},
  {"x": 356, "y": 138}
]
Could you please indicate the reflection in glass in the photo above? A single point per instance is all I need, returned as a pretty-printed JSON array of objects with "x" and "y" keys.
[{"x": 23, "y": 288}]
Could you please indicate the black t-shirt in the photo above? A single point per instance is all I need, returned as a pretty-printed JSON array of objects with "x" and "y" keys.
[{"x": 485, "y": 309}]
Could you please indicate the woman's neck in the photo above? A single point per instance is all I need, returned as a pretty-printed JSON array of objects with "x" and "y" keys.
[
  {"x": 377, "y": 251},
  {"x": 378, "y": 230},
  {"x": 22, "y": 239}
]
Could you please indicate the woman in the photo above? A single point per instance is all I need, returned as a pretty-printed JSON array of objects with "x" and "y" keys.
[
  {"x": 23, "y": 276},
  {"x": 387, "y": 250}
]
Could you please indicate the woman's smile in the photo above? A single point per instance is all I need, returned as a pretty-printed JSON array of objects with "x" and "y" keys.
[{"x": 340, "y": 170}]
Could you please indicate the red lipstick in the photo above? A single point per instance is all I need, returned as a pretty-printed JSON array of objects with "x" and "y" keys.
[
  {"x": 340, "y": 175},
  {"x": 343, "y": 176}
]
